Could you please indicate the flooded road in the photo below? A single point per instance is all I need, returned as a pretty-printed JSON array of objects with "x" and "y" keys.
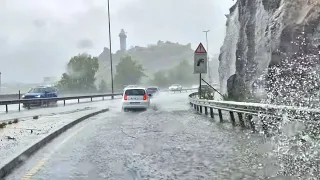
[{"x": 168, "y": 141}]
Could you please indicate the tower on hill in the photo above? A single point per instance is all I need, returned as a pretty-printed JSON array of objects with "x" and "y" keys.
[{"x": 123, "y": 40}]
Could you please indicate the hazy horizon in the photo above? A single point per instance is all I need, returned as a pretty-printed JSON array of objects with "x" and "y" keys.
[{"x": 34, "y": 33}]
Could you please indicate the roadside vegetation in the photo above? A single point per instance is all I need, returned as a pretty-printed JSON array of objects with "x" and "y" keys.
[
  {"x": 162, "y": 65},
  {"x": 5, "y": 124},
  {"x": 80, "y": 74}
]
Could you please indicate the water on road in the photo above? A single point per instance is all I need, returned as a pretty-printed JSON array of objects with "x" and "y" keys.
[{"x": 168, "y": 141}]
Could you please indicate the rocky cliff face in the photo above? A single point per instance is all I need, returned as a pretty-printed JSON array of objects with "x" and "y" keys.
[{"x": 271, "y": 43}]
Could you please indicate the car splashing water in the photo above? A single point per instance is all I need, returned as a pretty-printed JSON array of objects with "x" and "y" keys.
[{"x": 168, "y": 101}]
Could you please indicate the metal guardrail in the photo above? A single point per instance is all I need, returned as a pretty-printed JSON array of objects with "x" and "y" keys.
[
  {"x": 4, "y": 97},
  {"x": 246, "y": 111},
  {"x": 47, "y": 101},
  {"x": 182, "y": 90}
]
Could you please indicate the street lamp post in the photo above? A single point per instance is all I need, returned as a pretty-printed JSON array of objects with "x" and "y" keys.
[
  {"x": 111, "y": 70},
  {"x": 0, "y": 82},
  {"x": 209, "y": 72}
]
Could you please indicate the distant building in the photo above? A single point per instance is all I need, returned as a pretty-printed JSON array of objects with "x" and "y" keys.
[{"x": 123, "y": 40}]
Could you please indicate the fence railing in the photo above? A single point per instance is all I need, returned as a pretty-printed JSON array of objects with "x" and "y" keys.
[
  {"x": 63, "y": 94},
  {"x": 181, "y": 90},
  {"x": 19, "y": 95},
  {"x": 246, "y": 111},
  {"x": 46, "y": 101}
]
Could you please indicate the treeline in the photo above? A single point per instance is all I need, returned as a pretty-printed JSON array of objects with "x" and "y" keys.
[{"x": 80, "y": 75}]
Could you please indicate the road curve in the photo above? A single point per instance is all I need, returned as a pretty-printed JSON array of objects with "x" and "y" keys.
[{"x": 168, "y": 141}]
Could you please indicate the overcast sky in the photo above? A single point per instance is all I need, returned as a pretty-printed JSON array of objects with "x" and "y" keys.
[{"x": 37, "y": 37}]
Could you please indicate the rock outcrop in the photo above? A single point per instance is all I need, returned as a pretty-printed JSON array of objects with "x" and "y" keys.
[{"x": 275, "y": 39}]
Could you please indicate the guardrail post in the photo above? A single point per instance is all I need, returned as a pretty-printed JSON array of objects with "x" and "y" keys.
[
  {"x": 233, "y": 120},
  {"x": 6, "y": 108},
  {"x": 19, "y": 99},
  {"x": 78, "y": 100},
  {"x": 102, "y": 98},
  {"x": 206, "y": 110},
  {"x": 253, "y": 127},
  {"x": 241, "y": 120},
  {"x": 91, "y": 99},
  {"x": 211, "y": 112},
  {"x": 220, "y": 115},
  {"x": 64, "y": 102},
  {"x": 200, "y": 109},
  {"x": 265, "y": 127}
]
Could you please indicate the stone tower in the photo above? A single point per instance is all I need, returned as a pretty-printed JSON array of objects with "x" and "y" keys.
[{"x": 123, "y": 40}]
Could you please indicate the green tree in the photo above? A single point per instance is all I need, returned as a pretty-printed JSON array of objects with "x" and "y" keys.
[
  {"x": 182, "y": 73},
  {"x": 80, "y": 75},
  {"x": 160, "y": 79},
  {"x": 128, "y": 71},
  {"x": 103, "y": 86}
]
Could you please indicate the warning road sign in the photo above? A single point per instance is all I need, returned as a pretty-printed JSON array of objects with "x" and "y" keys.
[
  {"x": 200, "y": 60},
  {"x": 200, "y": 49}
]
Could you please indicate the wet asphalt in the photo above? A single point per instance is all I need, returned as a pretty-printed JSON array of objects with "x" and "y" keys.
[{"x": 168, "y": 141}]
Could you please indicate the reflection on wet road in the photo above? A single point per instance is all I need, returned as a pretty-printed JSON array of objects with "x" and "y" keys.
[{"x": 169, "y": 141}]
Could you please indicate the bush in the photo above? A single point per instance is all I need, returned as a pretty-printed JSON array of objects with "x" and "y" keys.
[
  {"x": 3, "y": 125},
  {"x": 207, "y": 95}
]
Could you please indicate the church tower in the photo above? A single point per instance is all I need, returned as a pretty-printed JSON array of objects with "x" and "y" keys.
[{"x": 123, "y": 40}]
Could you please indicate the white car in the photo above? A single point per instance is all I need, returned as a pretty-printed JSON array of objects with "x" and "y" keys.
[
  {"x": 195, "y": 86},
  {"x": 175, "y": 87},
  {"x": 135, "y": 98}
]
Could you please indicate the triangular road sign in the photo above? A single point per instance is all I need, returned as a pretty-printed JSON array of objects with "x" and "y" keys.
[{"x": 200, "y": 49}]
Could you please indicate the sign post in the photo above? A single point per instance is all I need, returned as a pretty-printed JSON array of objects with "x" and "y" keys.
[{"x": 200, "y": 63}]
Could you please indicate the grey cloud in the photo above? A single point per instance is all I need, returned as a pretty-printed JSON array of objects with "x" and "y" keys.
[
  {"x": 39, "y": 23},
  {"x": 34, "y": 44},
  {"x": 85, "y": 43},
  {"x": 37, "y": 38},
  {"x": 180, "y": 20}
]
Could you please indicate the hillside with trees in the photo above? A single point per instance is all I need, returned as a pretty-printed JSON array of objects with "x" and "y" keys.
[
  {"x": 162, "y": 56},
  {"x": 162, "y": 64}
]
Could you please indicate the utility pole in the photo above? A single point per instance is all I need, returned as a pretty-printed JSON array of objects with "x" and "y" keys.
[
  {"x": 111, "y": 70},
  {"x": 209, "y": 72},
  {"x": 0, "y": 82}
]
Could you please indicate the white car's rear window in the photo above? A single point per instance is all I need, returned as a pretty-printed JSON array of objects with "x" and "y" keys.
[{"x": 135, "y": 92}]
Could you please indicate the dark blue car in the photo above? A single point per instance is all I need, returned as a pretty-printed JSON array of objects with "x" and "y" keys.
[
  {"x": 40, "y": 92},
  {"x": 152, "y": 91}
]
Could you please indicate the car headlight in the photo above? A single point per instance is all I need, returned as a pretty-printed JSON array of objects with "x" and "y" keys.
[
  {"x": 22, "y": 96},
  {"x": 38, "y": 96}
]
